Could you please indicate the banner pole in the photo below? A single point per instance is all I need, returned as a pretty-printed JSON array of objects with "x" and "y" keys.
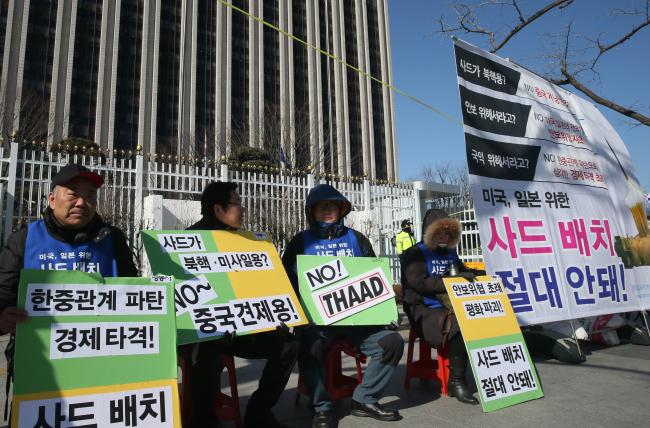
[
  {"x": 575, "y": 337},
  {"x": 645, "y": 320}
]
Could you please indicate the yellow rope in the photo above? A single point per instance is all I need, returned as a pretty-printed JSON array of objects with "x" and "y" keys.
[
  {"x": 416, "y": 224},
  {"x": 337, "y": 59}
]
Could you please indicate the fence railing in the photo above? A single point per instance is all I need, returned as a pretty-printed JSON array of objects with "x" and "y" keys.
[
  {"x": 275, "y": 201},
  {"x": 469, "y": 247}
]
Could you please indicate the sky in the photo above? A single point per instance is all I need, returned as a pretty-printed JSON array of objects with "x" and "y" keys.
[{"x": 424, "y": 68}]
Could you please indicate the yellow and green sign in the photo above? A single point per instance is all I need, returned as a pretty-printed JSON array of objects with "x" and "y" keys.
[
  {"x": 95, "y": 352},
  {"x": 226, "y": 281},
  {"x": 500, "y": 360},
  {"x": 346, "y": 290}
]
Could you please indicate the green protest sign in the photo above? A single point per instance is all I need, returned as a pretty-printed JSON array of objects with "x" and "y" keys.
[
  {"x": 226, "y": 281},
  {"x": 97, "y": 350},
  {"x": 346, "y": 290},
  {"x": 504, "y": 373}
]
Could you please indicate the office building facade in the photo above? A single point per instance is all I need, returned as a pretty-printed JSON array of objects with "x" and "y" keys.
[{"x": 167, "y": 74}]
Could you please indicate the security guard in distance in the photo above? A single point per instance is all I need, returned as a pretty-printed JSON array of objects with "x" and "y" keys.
[{"x": 404, "y": 239}]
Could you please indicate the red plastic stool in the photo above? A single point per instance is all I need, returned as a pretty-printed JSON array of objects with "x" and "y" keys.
[
  {"x": 225, "y": 406},
  {"x": 426, "y": 367},
  {"x": 338, "y": 385}
]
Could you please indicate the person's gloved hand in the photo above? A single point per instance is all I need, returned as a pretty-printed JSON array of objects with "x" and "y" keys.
[
  {"x": 227, "y": 338},
  {"x": 467, "y": 275},
  {"x": 282, "y": 329},
  {"x": 394, "y": 325}
]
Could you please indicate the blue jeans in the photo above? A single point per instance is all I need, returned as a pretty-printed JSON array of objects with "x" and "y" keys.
[{"x": 383, "y": 347}]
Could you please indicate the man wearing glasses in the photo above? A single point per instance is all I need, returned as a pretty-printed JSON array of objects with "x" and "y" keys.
[
  {"x": 221, "y": 208},
  {"x": 328, "y": 236}
]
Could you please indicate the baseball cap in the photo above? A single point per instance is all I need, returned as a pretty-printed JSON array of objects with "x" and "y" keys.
[
  {"x": 406, "y": 223},
  {"x": 73, "y": 170}
]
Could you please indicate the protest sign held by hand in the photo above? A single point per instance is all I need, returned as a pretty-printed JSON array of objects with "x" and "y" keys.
[
  {"x": 97, "y": 350},
  {"x": 346, "y": 290},
  {"x": 227, "y": 282}
]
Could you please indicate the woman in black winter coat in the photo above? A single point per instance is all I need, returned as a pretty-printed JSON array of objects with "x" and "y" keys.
[{"x": 423, "y": 267}]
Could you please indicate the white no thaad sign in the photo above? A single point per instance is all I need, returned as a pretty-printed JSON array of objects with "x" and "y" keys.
[
  {"x": 329, "y": 273},
  {"x": 353, "y": 296}
]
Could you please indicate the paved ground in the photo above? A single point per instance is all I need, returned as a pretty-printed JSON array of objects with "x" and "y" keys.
[{"x": 611, "y": 389}]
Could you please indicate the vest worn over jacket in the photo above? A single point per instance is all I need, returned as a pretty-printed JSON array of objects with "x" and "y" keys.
[
  {"x": 46, "y": 253},
  {"x": 437, "y": 264},
  {"x": 404, "y": 241},
  {"x": 344, "y": 246}
]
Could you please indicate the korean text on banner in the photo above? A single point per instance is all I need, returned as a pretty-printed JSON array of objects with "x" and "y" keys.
[
  {"x": 500, "y": 361},
  {"x": 554, "y": 192},
  {"x": 227, "y": 281},
  {"x": 97, "y": 350},
  {"x": 346, "y": 290}
]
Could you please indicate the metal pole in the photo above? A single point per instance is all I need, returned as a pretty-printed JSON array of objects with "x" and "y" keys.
[
  {"x": 329, "y": 85},
  {"x": 575, "y": 337},
  {"x": 11, "y": 189},
  {"x": 645, "y": 320}
]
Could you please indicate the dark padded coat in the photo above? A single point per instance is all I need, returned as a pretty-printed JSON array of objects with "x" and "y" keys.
[
  {"x": 417, "y": 281},
  {"x": 296, "y": 247},
  {"x": 13, "y": 252}
]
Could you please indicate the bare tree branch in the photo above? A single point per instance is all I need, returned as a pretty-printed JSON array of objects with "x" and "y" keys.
[
  {"x": 626, "y": 37},
  {"x": 605, "y": 102},
  {"x": 448, "y": 173},
  {"x": 468, "y": 22},
  {"x": 566, "y": 56}
]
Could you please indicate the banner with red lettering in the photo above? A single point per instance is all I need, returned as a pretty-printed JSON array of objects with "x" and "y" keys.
[{"x": 557, "y": 199}]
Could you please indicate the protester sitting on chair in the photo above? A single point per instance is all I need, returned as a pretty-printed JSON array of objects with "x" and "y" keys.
[
  {"x": 423, "y": 267},
  {"x": 325, "y": 209},
  {"x": 222, "y": 209}
]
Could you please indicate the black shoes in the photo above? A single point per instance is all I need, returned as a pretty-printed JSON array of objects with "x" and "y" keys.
[
  {"x": 461, "y": 392},
  {"x": 322, "y": 420},
  {"x": 375, "y": 411}
]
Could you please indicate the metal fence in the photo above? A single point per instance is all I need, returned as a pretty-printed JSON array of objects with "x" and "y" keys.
[
  {"x": 275, "y": 200},
  {"x": 469, "y": 247}
]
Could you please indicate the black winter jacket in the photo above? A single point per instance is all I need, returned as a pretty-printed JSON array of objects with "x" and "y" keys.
[
  {"x": 210, "y": 223},
  {"x": 296, "y": 247},
  {"x": 13, "y": 252},
  {"x": 417, "y": 281}
]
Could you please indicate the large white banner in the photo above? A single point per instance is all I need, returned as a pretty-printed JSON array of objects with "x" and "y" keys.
[{"x": 555, "y": 192}]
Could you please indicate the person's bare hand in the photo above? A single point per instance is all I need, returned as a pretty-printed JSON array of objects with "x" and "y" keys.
[{"x": 10, "y": 317}]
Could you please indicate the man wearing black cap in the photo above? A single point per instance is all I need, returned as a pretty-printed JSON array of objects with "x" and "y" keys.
[
  {"x": 71, "y": 236},
  {"x": 404, "y": 239}
]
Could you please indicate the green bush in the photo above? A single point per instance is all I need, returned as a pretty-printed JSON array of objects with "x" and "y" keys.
[{"x": 246, "y": 154}]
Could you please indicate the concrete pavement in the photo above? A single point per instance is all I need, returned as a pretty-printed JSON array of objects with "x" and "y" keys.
[{"x": 611, "y": 389}]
